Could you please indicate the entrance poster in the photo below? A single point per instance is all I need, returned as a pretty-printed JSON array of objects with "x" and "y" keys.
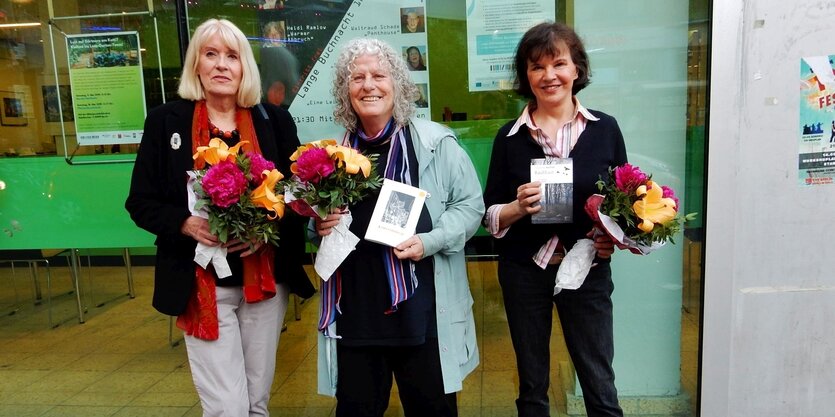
[
  {"x": 108, "y": 93},
  {"x": 313, "y": 33},
  {"x": 816, "y": 128},
  {"x": 494, "y": 28}
]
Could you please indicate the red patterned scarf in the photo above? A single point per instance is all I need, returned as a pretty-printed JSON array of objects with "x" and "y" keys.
[{"x": 200, "y": 318}]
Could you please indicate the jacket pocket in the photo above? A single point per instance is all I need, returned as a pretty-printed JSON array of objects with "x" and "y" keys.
[{"x": 462, "y": 327}]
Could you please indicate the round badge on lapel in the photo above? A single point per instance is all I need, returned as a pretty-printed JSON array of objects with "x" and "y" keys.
[{"x": 175, "y": 141}]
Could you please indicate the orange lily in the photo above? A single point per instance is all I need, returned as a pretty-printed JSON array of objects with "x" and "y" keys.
[
  {"x": 217, "y": 151},
  {"x": 317, "y": 144},
  {"x": 351, "y": 158},
  {"x": 264, "y": 196},
  {"x": 653, "y": 207}
]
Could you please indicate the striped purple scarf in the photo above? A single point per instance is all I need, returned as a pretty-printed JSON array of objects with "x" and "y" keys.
[{"x": 397, "y": 270}]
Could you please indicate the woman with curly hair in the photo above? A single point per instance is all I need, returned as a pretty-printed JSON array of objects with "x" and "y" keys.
[{"x": 403, "y": 312}]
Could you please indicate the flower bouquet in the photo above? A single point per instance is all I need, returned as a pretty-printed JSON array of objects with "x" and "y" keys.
[
  {"x": 639, "y": 215},
  {"x": 328, "y": 176},
  {"x": 236, "y": 193}
]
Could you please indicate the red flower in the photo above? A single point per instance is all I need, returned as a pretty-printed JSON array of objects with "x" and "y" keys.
[
  {"x": 628, "y": 178},
  {"x": 224, "y": 183},
  {"x": 313, "y": 165},
  {"x": 257, "y": 166},
  {"x": 670, "y": 193}
]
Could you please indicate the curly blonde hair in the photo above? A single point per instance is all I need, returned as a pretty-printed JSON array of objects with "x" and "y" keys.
[{"x": 405, "y": 91}]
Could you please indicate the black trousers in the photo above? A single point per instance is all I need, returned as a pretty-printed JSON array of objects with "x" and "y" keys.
[
  {"x": 364, "y": 383},
  {"x": 586, "y": 319}
]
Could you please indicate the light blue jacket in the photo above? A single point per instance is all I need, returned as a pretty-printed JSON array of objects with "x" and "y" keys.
[{"x": 456, "y": 207}]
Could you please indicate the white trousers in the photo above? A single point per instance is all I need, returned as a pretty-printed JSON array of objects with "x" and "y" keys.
[{"x": 233, "y": 374}]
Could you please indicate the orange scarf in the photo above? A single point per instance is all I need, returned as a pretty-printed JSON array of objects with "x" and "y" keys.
[{"x": 200, "y": 318}]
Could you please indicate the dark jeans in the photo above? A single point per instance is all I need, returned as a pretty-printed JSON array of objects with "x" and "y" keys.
[
  {"x": 365, "y": 378},
  {"x": 586, "y": 318}
]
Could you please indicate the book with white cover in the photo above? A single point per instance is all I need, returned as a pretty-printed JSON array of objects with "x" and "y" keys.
[
  {"x": 396, "y": 213},
  {"x": 556, "y": 176}
]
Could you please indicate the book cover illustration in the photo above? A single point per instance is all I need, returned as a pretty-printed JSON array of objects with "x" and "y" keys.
[
  {"x": 556, "y": 176},
  {"x": 396, "y": 213}
]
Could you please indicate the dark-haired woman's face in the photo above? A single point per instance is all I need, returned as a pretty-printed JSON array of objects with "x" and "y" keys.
[
  {"x": 552, "y": 78},
  {"x": 414, "y": 58}
]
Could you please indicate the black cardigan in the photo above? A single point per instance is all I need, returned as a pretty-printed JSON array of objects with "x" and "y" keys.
[
  {"x": 157, "y": 201},
  {"x": 599, "y": 147}
]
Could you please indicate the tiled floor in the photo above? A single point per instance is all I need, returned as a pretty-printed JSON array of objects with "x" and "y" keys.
[{"x": 119, "y": 363}]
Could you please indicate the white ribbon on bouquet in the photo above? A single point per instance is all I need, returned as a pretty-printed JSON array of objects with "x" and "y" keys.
[{"x": 205, "y": 254}]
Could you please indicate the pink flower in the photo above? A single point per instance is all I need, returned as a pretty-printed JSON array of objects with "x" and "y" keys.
[
  {"x": 258, "y": 165},
  {"x": 313, "y": 165},
  {"x": 628, "y": 178},
  {"x": 224, "y": 183},
  {"x": 670, "y": 193}
]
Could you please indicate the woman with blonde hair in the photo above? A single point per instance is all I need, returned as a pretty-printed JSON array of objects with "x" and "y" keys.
[{"x": 231, "y": 335}]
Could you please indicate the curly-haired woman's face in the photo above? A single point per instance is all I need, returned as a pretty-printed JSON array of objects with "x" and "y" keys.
[{"x": 372, "y": 91}]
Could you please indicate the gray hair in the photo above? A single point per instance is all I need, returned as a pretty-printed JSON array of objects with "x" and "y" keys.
[{"x": 405, "y": 91}]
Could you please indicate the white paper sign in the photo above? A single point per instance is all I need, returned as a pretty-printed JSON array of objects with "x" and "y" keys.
[{"x": 494, "y": 28}]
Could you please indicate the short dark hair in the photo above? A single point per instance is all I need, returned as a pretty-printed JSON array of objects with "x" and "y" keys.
[{"x": 545, "y": 39}]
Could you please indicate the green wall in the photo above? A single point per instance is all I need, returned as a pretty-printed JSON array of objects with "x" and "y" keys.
[{"x": 49, "y": 204}]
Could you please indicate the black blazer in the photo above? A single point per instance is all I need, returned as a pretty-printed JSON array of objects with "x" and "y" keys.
[{"x": 158, "y": 201}]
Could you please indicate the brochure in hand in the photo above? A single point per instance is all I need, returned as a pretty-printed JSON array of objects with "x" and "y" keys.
[
  {"x": 396, "y": 214},
  {"x": 556, "y": 176}
]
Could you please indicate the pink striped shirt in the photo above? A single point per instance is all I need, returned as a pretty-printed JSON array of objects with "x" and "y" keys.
[{"x": 557, "y": 147}]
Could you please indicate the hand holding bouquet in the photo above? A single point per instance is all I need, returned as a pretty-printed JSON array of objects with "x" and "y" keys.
[
  {"x": 638, "y": 213},
  {"x": 237, "y": 192},
  {"x": 327, "y": 177}
]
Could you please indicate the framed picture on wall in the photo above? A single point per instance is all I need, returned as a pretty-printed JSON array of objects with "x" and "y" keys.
[
  {"x": 12, "y": 111},
  {"x": 51, "y": 97}
]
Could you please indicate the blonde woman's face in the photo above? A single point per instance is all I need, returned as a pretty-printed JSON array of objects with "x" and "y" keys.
[
  {"x": 273, "y": 33},
  {"x": 219, "y": 68}
]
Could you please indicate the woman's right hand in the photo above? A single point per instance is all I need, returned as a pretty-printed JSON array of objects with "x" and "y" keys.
[
  {"x": 198, "y": 229},
  {"x": 324, "y": 226},
  {"x": 526, "y": 203},
  {"x": 527, "y": 198}
]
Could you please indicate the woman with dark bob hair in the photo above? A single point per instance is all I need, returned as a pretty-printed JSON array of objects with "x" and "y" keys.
[
  {"x": 231, "y": 335},
  {"x": 401, "y": 313},
  {"x": 551, "y": 68}
]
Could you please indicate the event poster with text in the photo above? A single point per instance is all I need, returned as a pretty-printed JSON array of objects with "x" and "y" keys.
[
  {"x": 315, "y": 32},
  {"x": 494, "y": 28},
  {"x": 817, "y": 120},
  {"x": 108, "y": 92}
]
